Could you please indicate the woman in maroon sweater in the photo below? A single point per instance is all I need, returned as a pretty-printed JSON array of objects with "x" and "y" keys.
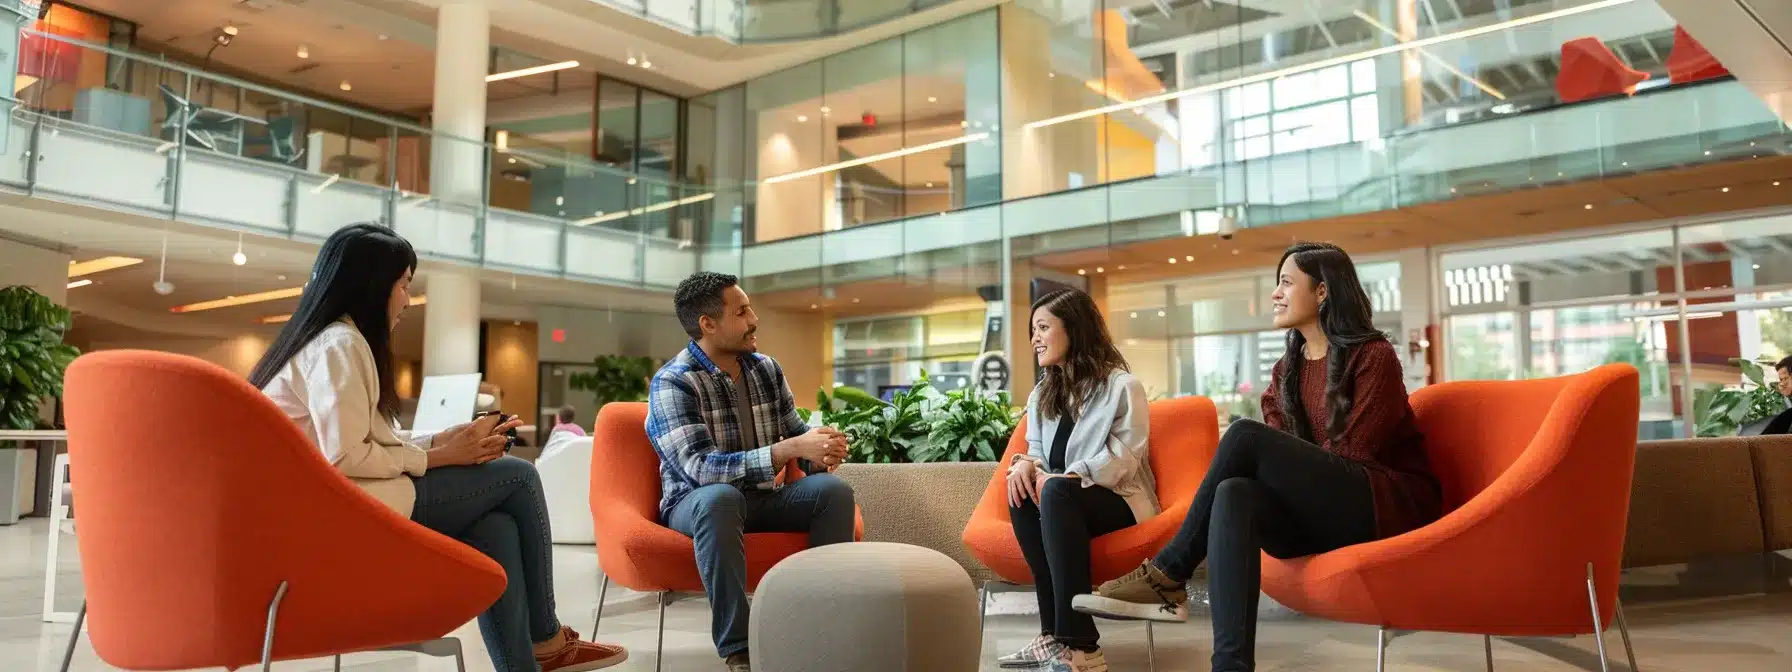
[{"x": 1337, "y": 461}]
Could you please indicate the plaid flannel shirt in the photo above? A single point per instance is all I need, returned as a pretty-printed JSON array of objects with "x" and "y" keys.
[{"x": 692, "y": 419}]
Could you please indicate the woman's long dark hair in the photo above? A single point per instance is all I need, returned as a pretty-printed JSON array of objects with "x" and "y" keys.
[
  {"x": 1348, "y": 322},
  {"x": 1091, "y": 360},
  {"x": 353, "y": 278}
]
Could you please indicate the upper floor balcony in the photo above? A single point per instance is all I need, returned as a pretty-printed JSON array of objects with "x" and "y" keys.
[
  {"x": 750, "y": 21},
  {"x": 1010, "y": 178}
]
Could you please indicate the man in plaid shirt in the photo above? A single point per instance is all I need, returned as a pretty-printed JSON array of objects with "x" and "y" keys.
[{"x": 722, "y": 418}]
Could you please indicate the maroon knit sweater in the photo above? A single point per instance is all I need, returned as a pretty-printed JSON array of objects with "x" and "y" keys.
[{"x": 1379, "y": 433}]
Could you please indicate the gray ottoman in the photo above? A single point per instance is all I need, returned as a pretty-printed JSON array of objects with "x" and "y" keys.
[{"x": 865, "y": 607}]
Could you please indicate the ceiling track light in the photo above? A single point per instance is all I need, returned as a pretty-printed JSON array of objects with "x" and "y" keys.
[
  {"x": 162, "y": 285},
  {"x": 525, "y": 72}
]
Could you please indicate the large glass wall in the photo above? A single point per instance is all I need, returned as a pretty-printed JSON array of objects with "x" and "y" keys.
[
  {"x": 1212, "y": 336},
  {"x": 893, "y": 350},
  {"x": 1537, "y": 310},
  {"x": 904, "y": 127}
]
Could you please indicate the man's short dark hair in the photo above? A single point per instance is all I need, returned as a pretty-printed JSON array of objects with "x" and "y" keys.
[
  {"x": 699, "y": 295},
  {"x": 1785, "y": 364},
  {"x": 566, "y": 414}
]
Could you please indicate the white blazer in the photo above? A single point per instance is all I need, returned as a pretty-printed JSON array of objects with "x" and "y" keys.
[
  {"x": 331, "y": 390},
  {"x": 1110, "y": 444}
]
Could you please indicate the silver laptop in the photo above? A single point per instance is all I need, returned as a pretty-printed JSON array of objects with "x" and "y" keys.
[{"x": 446, "y": 401}]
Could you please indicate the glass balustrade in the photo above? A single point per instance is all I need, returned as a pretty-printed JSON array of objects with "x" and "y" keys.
[{"x": 139, "y": 134}]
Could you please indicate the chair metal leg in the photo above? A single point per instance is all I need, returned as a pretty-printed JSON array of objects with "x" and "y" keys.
[
  {"x": 1150, "y": 646},
  {"x": 1487, "y": 645},
  {"x": 68, "y": 654},
  {"x": 659, "y": 649},
  {"x": 1381, "y": 649},
  {"x": 460, "y": 657},
  {"x": 983, "y": 608},
  {"x": 336, "y": 663},
  {"x": 1624, "y": 633},
  {"x": 601, "y": 594},
  {"x": 1598, "y": 628},
  {"x": 267, "y": 638}
]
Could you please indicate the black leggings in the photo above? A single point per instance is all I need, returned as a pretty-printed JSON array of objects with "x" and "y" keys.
[
  {"x": 1266, "y": 490},
  {"x": 1054, "y": 536}
]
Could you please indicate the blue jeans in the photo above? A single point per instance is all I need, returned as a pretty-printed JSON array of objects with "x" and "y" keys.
[
  {"x": 717, "y": 518},
  {"x": 498, "y": 509}
]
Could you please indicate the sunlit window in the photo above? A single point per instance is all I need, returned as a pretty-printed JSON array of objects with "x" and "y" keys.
[{"x": 1322, "y": 108}]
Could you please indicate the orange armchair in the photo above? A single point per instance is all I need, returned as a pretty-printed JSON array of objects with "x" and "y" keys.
[
  {"x": 213, "y": 533},
  {"x": 1185, "y": 432},
  {"x": 1536, "y": 482},
  {"x": 633, "y": 547}
]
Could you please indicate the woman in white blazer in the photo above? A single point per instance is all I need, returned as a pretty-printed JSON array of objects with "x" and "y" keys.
[
  {"x": 330, "y": 370},
  {"x": 1084, "y": 474}
]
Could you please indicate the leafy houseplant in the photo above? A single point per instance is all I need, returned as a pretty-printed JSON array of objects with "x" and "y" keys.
[
  {"x": 920, "y": 424},
  {"x": 615, "y": 378},
  {"x": 1719, "y": 411},
  {"x": 32, "y": 354}
]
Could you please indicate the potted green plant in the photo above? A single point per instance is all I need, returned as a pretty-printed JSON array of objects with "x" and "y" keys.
[
  {"x": 1722, "y": 410},
  {"x": 615, "y": 378},
  {"x": 879, "y": 432},
  {"x": 32, "y": 354},
  {"x": 966, "y": 426}
]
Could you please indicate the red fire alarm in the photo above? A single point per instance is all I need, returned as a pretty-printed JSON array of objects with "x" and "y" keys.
[
  {"x": 868, "y": 119},
  {"x": 559, "y": 335}
]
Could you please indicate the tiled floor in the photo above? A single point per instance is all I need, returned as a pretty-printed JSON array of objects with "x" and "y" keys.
[{"x": 1734, "y": 634}]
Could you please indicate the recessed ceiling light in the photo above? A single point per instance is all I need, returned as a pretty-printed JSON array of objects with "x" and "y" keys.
[
  {"x": 933, "y": 99},
  {"x": 1133, "y": 316},
  {"x": 280, "y": 277},
  {"x": 634, "y": 61},
  {"x": 304, "y": 52},
  {"x": 1160, "y": 313},
  {"x": 345, "y": 86},
  {"x": 813, "y": 306},
  {"x": 855, "y": 299},
  {"x": 1082, "y": 271},
  {"x": 646, "y": 64},
  {"x": 1051, "y": 75},
  {"x": 1707, "y": 152},
  {"x": 1123, "y": 267},
  {"x": 1189, "y": 258},
  {"x": 825, "y": 110},
  {"x": 1099, "y": 269},
  {"x": 1589, "y": 206},
  {"x": 1726, "y": 190},
  {"x": 1172, "y": 260},
  {"x": 964, "y": 124},
  {"x": 384, "y": 37},
  {"x": 1776, "y": 183},
  {"x": 1757, "y": 267},
  {"x": 802, "y": 118}
]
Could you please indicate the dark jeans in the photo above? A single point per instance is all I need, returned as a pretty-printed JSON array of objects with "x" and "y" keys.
[
  {"x": 498, "y": 509},
  {"x": 1268, "y": 491},
  {"x": 1054, "y": 535},
  {"x": 718, "y": 517}
]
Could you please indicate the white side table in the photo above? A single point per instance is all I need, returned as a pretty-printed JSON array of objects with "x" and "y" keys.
[{"x": 61, "y": 498}]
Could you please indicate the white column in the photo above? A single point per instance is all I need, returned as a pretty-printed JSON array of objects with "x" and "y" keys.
[
  {"x": 463, "y": 44},
  {"x": 451, "y": 323},
  {"x": 1416, "y": 301}
]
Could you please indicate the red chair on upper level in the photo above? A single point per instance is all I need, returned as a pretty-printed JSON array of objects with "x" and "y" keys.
[
  {"x": 1690, "y": 62},
  {"x": 1590, "y": 70}
]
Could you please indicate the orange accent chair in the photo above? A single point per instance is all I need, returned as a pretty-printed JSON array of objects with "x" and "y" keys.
[
  {"x": 1590, "y": 70},
  {"x": 1536, "y": 482},
  {"x": 1690, "y": 62},
  {"x": 633, "y": 547},
  {"x": 213, "y": 533},
  {"x": 1185, "y": 432}
]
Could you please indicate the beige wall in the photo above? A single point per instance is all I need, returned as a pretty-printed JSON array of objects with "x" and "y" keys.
[
  {"x": 804, "y": 205},
  {"x": 803, "y": 343},
  {"x": 511, "y": 363},
  {"x": 238, "y": 354},
  {"x": 1038, "y": 161},
  {"x": 41, "y": 269}
]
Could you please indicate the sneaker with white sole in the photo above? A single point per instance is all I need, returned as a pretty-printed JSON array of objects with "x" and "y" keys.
[
  {"x": 1146, "y": 594},
  {"x": 1066, "y": 659},
  {"x": 1041, "y": 649}
]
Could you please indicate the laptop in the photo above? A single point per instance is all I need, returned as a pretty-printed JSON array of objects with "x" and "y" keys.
[{"x": 446, "y": 401}]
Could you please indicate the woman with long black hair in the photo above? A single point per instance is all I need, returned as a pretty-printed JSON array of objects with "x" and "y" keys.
[
  {"x": 1086, "y": 472},
  {"x": 1336, "y": 461},
  {"x": 330, "y": 370}
]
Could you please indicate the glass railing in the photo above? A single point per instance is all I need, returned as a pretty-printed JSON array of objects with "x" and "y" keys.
[
  {"x": 749, "y": 21},
  {"x": 103, "y": 126}
]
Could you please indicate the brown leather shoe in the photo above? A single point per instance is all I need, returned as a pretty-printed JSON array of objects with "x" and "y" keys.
[{"x": 576, "y": 655}]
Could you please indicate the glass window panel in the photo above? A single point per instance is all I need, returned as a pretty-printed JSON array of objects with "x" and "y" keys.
[
  {"x": 1310, "y": 87},
  {"x": 1482, "y": 347},
  {"x": 1365, "y": 118},
  {"x": 1247, "y": 100},
  {"x": 783, "y": 113},
  {"x": 658, "y": 146},
  {"x": 1741, "y": 254},
  {"x": 616, "y": 115},
  {"x": 1362, "y": 76},
  {"x": 1310, "y": 127},
  {"x": 1613, "y": 266}
]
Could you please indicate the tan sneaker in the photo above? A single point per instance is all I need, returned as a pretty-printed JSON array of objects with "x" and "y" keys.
[
  {"x": 1066, "y": 659},
  {"x": 739, "y": 662},
  {"x": 576, "y": 655},
  {"x": 1145, "y": 594}
]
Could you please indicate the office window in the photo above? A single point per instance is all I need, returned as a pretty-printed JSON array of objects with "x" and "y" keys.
[{"x": 1322, "y": 108}]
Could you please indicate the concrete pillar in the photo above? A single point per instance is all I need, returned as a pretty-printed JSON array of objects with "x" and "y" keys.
[
  {"x": 1416, "y": 315},
  {"x": 451, "y": 323},
  {"x": 457, "y": 169}
]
